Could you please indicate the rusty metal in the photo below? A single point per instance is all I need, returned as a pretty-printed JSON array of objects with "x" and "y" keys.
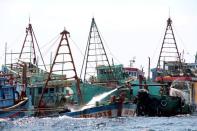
[
  {"x": 30, "y": 44},
  {"x": 70, "y": 60}
]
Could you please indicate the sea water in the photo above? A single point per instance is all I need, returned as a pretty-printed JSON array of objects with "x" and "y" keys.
[{"x": 63, "y": 123}]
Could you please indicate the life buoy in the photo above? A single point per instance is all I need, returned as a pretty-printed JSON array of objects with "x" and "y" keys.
[{"x": 164, "y": 103}]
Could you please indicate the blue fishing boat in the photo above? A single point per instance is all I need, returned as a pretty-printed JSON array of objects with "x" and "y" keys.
[
  {"x": 12, "y": 103},
  {"x": 114, "y": 103},
  {"x": 110, "y": 110},
  {"x": 24, "y": 66}
]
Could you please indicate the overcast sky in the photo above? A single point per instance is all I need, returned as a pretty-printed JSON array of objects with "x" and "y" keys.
[{"x": 130, "y": 28}]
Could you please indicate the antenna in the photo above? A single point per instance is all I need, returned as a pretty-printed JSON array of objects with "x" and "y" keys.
[
  {"x": 93, "y": 15},
  {"x": 132, "y": 61},
  {"x": 169, "y": 12},
  {"x": 29, "y": 19}
]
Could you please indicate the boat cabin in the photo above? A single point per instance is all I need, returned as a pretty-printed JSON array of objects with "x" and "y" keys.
[
  {"x": 7, "y": 93},
  {"x": 106, "y": 73},
  {"x": 133, "y": 72}
]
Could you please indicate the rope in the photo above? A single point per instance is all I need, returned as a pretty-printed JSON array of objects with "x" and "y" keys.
[
  {"x": 109, "y": 49},
  {"x": 184, "y": 45},
  {"x": 158, "y": 45},
  {"x": 77, "y": 47},
  {"x": 49, "y": 41},
  {"x": 50, "y": 47}
]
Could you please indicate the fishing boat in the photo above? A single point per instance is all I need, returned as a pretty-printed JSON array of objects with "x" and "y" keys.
[
  {"x": 108, "y": 111},
  {"x": 24, "y": 67},
  {"x": 13, "y": 102},
  {"x": 48, "y": 92},
  {"x": 173, "y": 96},
  {"x": 97, "y": 74},
  {"x": 99, "y": 77},
  {"x": 120, "y": 104}
]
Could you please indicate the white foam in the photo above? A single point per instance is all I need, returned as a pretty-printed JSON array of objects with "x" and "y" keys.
[{"x": 97, "y": 98}]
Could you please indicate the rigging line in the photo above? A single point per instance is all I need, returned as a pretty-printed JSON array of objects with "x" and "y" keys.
[
  {"x": 47, "y": 49},
  {"x": 14, "y": 41},
  {"x": 50, "y": 41},
  {"x": 158, "y": 45},
  {"x": 10, "y": 46},
  {"x": 77, "y": 46},
  {"x": 109, "y": 49},
  {"x": 184, "y": 45},
  {"x": 84, "y": 60},
  {"x": 79, "y": 51}
]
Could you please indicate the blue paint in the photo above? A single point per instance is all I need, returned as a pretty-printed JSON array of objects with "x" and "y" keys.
[
  {"x": 13, "y": 105},
  {"x": 103, "y": 108}
]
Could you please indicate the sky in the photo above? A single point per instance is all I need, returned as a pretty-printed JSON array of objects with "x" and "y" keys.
[{"x": 129, "y": 28}]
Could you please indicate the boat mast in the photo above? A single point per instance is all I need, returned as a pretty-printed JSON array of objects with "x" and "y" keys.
[
  {"x": 28, "y": 52},
  {"x": 169, "y": 50},
  {"x": 95, "y": 53},
  {"x": 63, "y": 58}
]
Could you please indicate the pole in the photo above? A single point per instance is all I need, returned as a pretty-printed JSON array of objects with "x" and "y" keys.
[{"x": 148, "y": 68}]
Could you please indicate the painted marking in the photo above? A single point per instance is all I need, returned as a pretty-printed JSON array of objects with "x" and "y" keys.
[{"x": 98, "y": 114}]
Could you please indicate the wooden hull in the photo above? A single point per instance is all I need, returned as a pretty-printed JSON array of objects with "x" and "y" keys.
[
  {"x": 15, "y": 111},
  {"x": 111, "y": 110}
]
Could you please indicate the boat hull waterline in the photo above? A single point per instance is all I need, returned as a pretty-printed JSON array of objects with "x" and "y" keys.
[{"x": 111, "y": 110}]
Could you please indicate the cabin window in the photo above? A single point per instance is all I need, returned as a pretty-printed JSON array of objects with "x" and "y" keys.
[
  {"x": 101, "y": 71},
  {"x": 39, "y": 90},
  {"x": 51, "y": 90},
  {"x": 7, "y": 93}
]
